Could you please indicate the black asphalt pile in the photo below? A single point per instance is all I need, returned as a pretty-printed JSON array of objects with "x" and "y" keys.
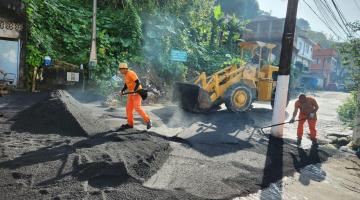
[
  {"x": 105, "y": 165},
  {"x": 59, "y": 114},
  {"x": 139, "y": 152}
]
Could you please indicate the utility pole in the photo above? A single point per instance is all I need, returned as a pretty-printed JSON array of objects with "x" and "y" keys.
[
  {"x": 282, "y": 86},
  {"x": 356, "y": 133},
  {"x": 93, "y": 57}
]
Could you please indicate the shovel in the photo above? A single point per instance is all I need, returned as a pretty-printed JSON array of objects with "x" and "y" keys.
[
  {"x": 273, "y": 125},
  {"x": 142, "y": 92}
]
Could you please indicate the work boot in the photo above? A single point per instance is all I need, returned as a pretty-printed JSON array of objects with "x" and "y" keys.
[
  {"x": 298, "y": 142},
  {"x": 315, "y": 143},
  {"x": 125, "y": 126},
  {"x": 149, "y": 125}
]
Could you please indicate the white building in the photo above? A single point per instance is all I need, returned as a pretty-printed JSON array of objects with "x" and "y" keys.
[{"x": 304, "y": 54}]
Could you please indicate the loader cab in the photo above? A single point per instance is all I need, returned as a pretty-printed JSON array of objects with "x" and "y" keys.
[
  {"x": 256, "y": 54},
  {"x": 261, "y": 59}
]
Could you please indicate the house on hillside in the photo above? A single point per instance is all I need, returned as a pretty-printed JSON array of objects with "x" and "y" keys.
[
  {"x": 304, "y": 55},
  {"x": 12, "y": 40},
  {"x": 302, "y": 61},
  {"x": 325, "y": 65},
  {"x": 318, "y": 67},
  {"x": 270, "y": 29}
]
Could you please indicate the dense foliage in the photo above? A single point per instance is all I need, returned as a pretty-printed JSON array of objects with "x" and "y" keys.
[
  {"x": 347, "y": 111},
  {"x": 140, "y": 32},
  {"x": 351, "y": 60}
]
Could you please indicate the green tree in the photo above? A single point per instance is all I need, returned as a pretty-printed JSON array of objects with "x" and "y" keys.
[
  {"x": 140, "y": 32},
  {"x": 351, "y": 55},
  {"x": 242, "y": 9},
  {"x": 320, "y": 38},
  {"x": 303, "y": 24}
]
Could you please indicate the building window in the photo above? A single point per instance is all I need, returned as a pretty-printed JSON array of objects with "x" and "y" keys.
[{"x": 328, "y": 60}]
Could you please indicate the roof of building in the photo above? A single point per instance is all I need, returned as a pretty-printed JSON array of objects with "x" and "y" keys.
[
  {"x": 324, "y": 52},
  {"x": 307, "y": 39},
  {"x": 12, "y": 9}
]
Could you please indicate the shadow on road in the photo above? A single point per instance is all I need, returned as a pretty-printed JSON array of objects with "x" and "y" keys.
[
  {"x": 273, "y": 170},
  {"x": 283, "y": 160},
  {"x": 304, "y": 165},
  {"x": 224, "y": 131}
]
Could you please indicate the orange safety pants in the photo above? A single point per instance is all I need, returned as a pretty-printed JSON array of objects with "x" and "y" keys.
[
  {"x": 312, "y": 127},
  {"x": 134, "y": 102}
]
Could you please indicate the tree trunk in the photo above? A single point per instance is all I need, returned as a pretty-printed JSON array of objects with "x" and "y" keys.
[
  {"x": 213, "y": 31},
  {"x": 230, "y": 39},
  {"x": 221, "y": 36}
]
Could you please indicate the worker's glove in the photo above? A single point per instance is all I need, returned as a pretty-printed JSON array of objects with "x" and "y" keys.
[
  {"x": 311, "y": 115},
  {"x": 292, "y": 120},
  {"x": 121, "y": 93}
]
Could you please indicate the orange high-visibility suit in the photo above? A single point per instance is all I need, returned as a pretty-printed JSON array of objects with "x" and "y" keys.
[
  {"x": 134, "y": 100},
  {"x": 305, "y": 109}
]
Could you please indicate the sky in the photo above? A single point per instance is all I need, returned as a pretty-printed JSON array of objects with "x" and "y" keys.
[
  {"x": 277, "y": 8},
  {"x": 8, "y": 56}
]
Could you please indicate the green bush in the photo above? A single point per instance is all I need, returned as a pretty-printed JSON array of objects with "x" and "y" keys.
[
  {"x": 347, "y": 111},
  {"x": 142, "y": 33}
]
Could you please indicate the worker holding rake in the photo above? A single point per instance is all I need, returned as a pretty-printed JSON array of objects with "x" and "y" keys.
[
  {"x": 308, "y": 108},
  {"x": 132, "y": 85}
]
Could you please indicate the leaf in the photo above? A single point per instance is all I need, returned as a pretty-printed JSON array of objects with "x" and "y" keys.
[
  {"x": 218, "y": 12},
  {"x": 125, "y": 42}
]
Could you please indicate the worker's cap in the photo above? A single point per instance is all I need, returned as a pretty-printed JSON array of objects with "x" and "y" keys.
[{"x": 123, "y": 66}]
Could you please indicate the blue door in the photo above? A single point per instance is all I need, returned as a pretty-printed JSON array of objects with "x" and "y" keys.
[{"x": 9, "y": 58}]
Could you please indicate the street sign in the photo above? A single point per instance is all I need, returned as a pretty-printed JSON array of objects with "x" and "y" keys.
[
  {"x": 72, "y": 77},
  {"x": 176, "y": 55}
]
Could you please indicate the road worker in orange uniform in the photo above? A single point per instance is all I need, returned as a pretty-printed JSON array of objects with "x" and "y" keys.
[
  {"x": 308, "y": 108},
  {"x": 132, "y": 83}
]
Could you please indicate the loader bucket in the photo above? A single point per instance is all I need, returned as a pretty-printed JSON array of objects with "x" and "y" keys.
[{"x": 191, "y": 97}]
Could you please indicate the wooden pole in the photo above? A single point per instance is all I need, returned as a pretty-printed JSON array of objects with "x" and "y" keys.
[
  {"x": 93, "y": 57},
  {"x": 93, "y": 37},
  {"x": 284, "y": 68},
  {"x": 33, "y": 85},
  {"x": 356, "y": 132}
]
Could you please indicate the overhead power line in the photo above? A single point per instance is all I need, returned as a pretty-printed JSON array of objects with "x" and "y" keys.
[
  {"x": 326, "y": 17},
  {"x": 321, "y": 19},
  {"x": 343, "y": 27},
  {"x": 342, "y": 17},
  {"x": 357, "y": 4}
]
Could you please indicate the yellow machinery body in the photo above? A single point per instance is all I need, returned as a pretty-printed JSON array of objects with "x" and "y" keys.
[{"x": 207, "y": 92}]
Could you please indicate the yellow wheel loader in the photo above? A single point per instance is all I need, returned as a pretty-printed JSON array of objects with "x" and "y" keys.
[{"x": 236, "y": 86}]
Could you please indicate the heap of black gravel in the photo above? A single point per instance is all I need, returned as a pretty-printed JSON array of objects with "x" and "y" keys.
[{"x": 58, "y": 114}]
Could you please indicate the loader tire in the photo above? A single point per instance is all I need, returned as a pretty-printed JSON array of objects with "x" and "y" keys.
[{"x": 238, "y": 98}]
